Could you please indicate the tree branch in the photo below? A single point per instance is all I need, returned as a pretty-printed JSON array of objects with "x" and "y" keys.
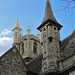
[{"x": 68, "y": 5}]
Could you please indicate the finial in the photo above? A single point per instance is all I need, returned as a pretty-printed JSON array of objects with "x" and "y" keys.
[
  {"x": 28, "y": 28},
  {"x": 47, "y": 0},
  {"x": 28, "y": 31},
  {"x": 17, "y": 23}
]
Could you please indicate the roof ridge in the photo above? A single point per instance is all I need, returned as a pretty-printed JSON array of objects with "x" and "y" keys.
[{"x": 67, "y": 40}]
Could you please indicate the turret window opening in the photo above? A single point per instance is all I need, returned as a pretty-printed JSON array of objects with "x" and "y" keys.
[
  {"x": 56, "y": 51},
  {"x": 44, "y": 29},
  {"x": 50, "y": 39},
  {"x": 45, "y": 52},
  {"x": 41, "y": 46},
  {"x": 35, "y": 48},
  {"x": 54, "y": 28}
]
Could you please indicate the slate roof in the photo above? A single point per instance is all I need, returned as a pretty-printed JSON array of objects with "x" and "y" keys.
[
  {"x": 64, "y": 42},
  {"x": 35, "y": 65}
]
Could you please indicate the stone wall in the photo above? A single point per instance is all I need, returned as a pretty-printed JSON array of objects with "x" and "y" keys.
[{"x": 28, "y": 51}]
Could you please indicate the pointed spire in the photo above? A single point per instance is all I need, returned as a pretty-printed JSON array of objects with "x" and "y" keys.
[
  {"x": 28, "y": 31},
  {"x": 17, "y": 25},
  {"x": 47, "y": 0},
  {"x": 28, "y": 28},
  {"x": 49, "y": 17},
  {"x": 48, "y": 13},
  {"x": 38, "y": 35}
]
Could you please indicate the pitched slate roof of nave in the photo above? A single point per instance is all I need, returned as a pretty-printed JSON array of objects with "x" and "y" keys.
[
  {"x": 68, "y": 45},
  {"x": 65, "y": 41},
  {"x": 35, "y": 65}
]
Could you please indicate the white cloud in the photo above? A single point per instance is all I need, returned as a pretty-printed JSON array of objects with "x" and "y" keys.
[
  {"x": 5, "y": 40},
  {"x": 5, "y": 32},
  {"x": 5, "y": 44}
]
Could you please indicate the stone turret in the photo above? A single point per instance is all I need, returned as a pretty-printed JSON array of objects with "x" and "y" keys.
[
  {"x": 50, "y": 38},
  {"x": 17, "y": 35},
  {"x": 30, "y": 46}
]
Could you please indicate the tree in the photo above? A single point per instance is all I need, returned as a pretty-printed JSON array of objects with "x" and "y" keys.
[{"x": 68, "y": 4}]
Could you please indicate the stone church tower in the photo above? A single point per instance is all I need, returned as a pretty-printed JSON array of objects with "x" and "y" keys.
[
  {"x": 50, "y": 39},
  {"x": 29, "y": 45},
  {"x": 17, "y": 35}
]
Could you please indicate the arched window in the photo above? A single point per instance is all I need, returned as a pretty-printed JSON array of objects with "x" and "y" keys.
[
  {"x": 35, "y": 48},
  {"x": 50, "y": 39}
]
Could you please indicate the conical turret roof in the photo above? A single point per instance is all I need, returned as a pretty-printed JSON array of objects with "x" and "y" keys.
[
  {"x": 48, "y": 13},
  {"x": 49, "y": 17},
  {"x": 17, "y": 24}
]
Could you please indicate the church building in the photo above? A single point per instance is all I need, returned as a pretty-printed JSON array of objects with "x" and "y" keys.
[{"x": 30, "y": 56}]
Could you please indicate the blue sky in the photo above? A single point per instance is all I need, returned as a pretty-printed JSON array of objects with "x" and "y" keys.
[{"x": 31, "y": 13}]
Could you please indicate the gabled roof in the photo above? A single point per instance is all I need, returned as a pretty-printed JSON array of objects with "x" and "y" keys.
[
  {"x": 9, "y": 51},
  {"x": 65, "y": 41},
  {"x": 36, "y": 64}
]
